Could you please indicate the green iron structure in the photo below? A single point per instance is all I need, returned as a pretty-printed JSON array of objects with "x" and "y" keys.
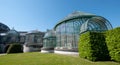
[{"x": 69, "y": 29}]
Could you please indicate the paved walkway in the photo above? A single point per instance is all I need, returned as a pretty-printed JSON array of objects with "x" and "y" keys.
[
  {"x": 74, "y": 55},
  {"x": 2, "y": 54}
]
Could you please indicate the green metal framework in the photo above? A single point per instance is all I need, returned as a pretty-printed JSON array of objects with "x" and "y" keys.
[
  {"x": 12, "y": 36},
  {"x": 49, "y": 41},
  {"x": 34, "y": 39},
  {"x": 68, "y": 29}
]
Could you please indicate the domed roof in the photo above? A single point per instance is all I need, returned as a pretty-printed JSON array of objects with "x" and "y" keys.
[
  {"x": 13, "y": 32},
  {"x": 98, "y": 24},
  {"x": 3, "y": 28},
  {"x": 49, "y": 33},
  {"x": 76, "y": 14}
]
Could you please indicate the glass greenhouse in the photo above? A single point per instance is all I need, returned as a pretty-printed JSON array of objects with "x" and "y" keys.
[
  {"x": 49, "y": 41},
  {"x": 12, "y": 36},
  {"x": 69, "y": 29},
  {"x": 3, "y": 29},
  {"x": 33, "y": 42},
  {"x": 63, "y": 38}
]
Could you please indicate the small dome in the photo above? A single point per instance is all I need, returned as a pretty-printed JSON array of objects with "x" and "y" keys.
[
  {"x": 49, "y": 33},
  {"x": 12, "y": 36},
  {"x": 13, "y": 32},
  {"x": 3, "y": 28}
]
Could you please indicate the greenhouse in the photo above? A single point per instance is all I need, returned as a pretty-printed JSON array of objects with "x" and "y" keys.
[
  {"x": 12, "y": 36},
  {"x": 69, "y": 29},
  {"x": 49, "y": 41},
  {"x": 33, "y": 41},
  {"x": 3, "y": 29},
  {"x": 63, "y": 38}
]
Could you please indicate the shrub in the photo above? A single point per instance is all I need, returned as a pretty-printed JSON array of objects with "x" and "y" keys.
[
  {"x": 113, "y": 43},
  {"x": 15, "y": 48},
  {"x": 92, "y": 46},
  {"x": 6, "y": 48}
]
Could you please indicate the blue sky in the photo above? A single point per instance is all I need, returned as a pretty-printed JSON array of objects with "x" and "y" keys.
[{"x": 26, "y": 15}]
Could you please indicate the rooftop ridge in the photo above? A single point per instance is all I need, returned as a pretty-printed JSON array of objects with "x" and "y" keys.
[{"x": 79, "y": 13}]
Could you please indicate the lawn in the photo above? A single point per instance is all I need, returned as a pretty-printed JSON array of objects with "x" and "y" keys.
[{"x": 36, "y": 58}]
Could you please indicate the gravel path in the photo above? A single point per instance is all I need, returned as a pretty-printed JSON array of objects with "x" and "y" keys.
[{"x": 2, "y": 54}]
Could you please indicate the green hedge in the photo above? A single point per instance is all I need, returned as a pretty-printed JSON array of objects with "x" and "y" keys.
[
  {"x": 113, "y": 43},
  {"x": 15, "y": 48},
  {"x": 92, "y": 46}
]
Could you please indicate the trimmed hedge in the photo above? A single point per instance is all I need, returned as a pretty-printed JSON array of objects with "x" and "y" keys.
[
  {"x": 6, "y": 48},
  {"x": 113, "y": 43},
  {"x": 15, "y": 48},
  {"x": 92, "y": 46}
]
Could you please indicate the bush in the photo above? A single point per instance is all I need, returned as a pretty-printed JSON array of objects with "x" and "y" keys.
[
  {"x": 15, "y": 48},
  {"x": 6, "y": 48},
  {"x": 113, "y": 43},
  {"x": 92, "y": 46}
]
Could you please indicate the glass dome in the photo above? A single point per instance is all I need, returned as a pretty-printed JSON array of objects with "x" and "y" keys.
[
  {"x": 3, "y": 28},
  {"x": 49, "y": 41},
  {"x": 69, "y": 28},
  {"x": 12, "y": 36},
  {"x": 50, "y": 33},
  {"x": 13, "y": 32},
  {"x": 97, "y": 24}
]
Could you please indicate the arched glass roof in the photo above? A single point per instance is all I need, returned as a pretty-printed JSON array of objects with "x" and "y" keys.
[
  {"x": 78, "y": 14},
  {"x": 96, "y": 24},
  {"x": 3, "y": 28},
  {"x": 49, "y": 33},
  {"x": 98, "y": 20},
  {"x": 74, "y": 15},
  {"x": 13, "y": 32}
]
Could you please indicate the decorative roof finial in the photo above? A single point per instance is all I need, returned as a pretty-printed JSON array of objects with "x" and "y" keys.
[{"x": 13, "y": 28}]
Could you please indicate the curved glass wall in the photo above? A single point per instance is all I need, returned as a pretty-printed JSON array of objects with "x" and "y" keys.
[
  {"x": 68, "y": 30},
  {"x": 49, "y": 40},
  {"x": 97, "y": 24},
  {"x": 12, "y": 36},
  {"x": 67, "y": 33},
  {"x": 3, "y": 28}
]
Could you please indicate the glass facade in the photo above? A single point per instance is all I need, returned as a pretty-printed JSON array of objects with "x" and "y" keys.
[
  {"x": 64, "y": 36},
  {"x": 12, "y": 36},
  {"x": 49, "y": 41},
  {"x": 4, "y": 28},
  {"x": 34, "y": 40},
  {"x": 69, "y": 29},
  {"x": 67, "y": 33},
  {"x": 97, "y": 24}
]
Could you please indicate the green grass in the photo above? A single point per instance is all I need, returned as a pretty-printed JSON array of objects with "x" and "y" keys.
[{"x": 36, "y": 58}]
